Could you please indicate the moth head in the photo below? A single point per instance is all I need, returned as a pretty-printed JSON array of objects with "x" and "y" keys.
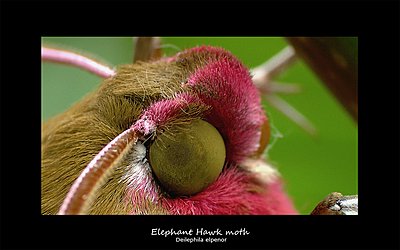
[{"x": 196, "y": 117}]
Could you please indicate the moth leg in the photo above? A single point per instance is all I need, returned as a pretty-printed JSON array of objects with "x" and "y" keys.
[{"x": 337, "y": 204}]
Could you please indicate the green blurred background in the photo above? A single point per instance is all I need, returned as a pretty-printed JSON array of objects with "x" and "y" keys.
[{"x": 312, "y": 166}]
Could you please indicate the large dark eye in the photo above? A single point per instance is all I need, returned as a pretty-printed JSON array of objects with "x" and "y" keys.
[{"x": 188, "y": 161}]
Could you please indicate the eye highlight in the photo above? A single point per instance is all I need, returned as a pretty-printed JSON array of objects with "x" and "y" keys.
[{"x": 190, "y": 160}]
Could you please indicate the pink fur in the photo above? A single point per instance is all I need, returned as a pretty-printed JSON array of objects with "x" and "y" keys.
[
  {"x": 208, "y": 51},
  {"x": 141, "y": 185},
  {"x": 226, "y": 86},
  {"x": 237, "y": 113},
  {"x": 229, "y": 195},
  {"x": 162, "y": 112}
]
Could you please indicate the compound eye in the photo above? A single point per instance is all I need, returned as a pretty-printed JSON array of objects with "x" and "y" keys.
[{"x": 189, "y": 160}]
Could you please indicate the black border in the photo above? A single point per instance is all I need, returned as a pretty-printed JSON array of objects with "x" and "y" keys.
[{"x": 375, "y": 23}]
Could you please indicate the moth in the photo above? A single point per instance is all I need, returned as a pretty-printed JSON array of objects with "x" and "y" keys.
[{"x": 177, "y": 135}]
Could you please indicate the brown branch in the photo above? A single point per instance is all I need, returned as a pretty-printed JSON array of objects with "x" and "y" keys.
[
  {"x": 334, "y": 60},
  {"x": 147, "y": 48}
]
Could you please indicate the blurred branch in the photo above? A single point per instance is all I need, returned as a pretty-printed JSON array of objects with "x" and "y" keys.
[
  {"x": 147, "y": 48},
  {"x": 282, "y": 88},
  {"x": 291, "y": 113},
  {"x": 273, "y": 67},
  {"x": 334, "y": 60},
  {"x": 263, "y": 79}
]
